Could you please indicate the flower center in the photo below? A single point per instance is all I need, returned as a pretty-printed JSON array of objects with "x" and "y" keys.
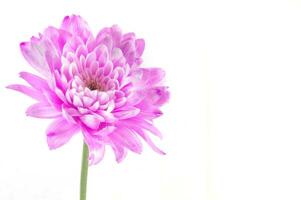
[{"x": 94, "y": 85}]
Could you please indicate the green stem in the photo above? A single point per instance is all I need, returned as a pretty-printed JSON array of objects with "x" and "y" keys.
[{"x": 84, "y": 173}]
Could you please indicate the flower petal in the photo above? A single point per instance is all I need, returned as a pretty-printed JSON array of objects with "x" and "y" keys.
[
  {"x": 60, "y": 132},
  {"x": 58, "y": 37},
  {"x": 148, "y": 77},
  {"x": 35, "y": 53},
  {"x": 119, "y": 151},
  {"x": 158, "y": 95},
  {"x": 28, "y": 91},
  {"x": 140, "y": 44},
  {"x": 77, "y": 26},
  {"x": 95, "y": 145},
  {"x": 34, "y": 80},
  {"x": 126, "y": 113},
  {"x": 141, "y": 123},
  {"x": 42, "y": 110},
  {"x": 127, "y": 138},
  {"x": 92, "y": 121},
  {"x": 148, "y": 141}
]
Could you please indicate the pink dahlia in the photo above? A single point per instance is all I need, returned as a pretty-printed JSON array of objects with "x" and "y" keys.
[{"x": 93, "y": 85}]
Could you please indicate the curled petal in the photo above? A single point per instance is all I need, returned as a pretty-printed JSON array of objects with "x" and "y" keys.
[
  {"x": 42, "y": 110},
  {"x": 60, "y": 132}
]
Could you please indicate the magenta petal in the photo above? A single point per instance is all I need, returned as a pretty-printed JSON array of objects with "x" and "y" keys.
[
  {"x": 76, "y": 26},
  {"x": 128, "y": 139},
  {"x": 35, "y": 81},
  {"x": 60, "y": 132},
  {"x": 92, "y": 121},
  {"x": 140, "y": 44},
  {"x": 42, "y": 110},
  {"x": 119, "y": 151},
  {"x": 158, "y": 96},
  {"x": 149, "y": 141},
  {"x": 126, "y": 113},
  {"x": 152, "y": 76},
  {"x": 28, "y": 91},
  {"x": 58, "y": 37},
  {"x": 140, "y": 123},
  {"x": 35, "y": 53},
  {"x": 95, "y": 145}
]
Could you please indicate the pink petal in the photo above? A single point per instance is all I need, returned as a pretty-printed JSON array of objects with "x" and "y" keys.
[
  {"x": 119, "y": 151},
  {"x": 87, "y": 101},
  {"x": 35, "y": 53},
  {"x": 109, "y": 117},
  {"x": 42, "y": 110},
  {"x": 60, "y": 132},
  {"x": 35, "y": 81},
  {"x": 69, "y": 113},
  {"x": 76, "y": 26},
  {"x": 158, "y": 96},
  {"x": 53, "y": 99},
  {"x": 126, "y": 113},
  {"x": 127, "y": 138},
  {"x": 141, "y": 123},
  {"x": 96, "y": 147},
  {"x": 148, "y": 141},
  {"x": 148, "y": 77},
  {"x": 53, "y": 60},
  {"x": 105, "y": 131},
  {"x": 92, "y": 121},
  {"x": 116, "y": 34},
  {"x": 58, "y": 37},
  {"x": 28, "y": 91},
  {"x": 140, "y": 44}
]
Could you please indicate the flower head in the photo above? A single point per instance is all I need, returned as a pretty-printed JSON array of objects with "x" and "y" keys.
[{"x": 93, "y": 85}]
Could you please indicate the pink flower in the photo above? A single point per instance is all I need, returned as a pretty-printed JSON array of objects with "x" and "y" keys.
[{"x": 94, "y": 85}]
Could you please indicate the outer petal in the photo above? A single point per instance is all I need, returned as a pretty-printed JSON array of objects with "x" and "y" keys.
[
  {"x": 140, "y": 44},
  {"x": 35, "y": 53},
  {"x": 119, "y": 151},
  {"x": 76, "y": 26},
  {"x": 143, "y": 124},
  {"x": 27, "y": 91},
  {"x": 127, "y": 112},
  {"x": 60, "y": 132},
  {"x": 148, "y": 77},
  {"x": 125, "y": 137},
  {"x": 35, "y": 81},
  {"x": 42, "y": 110},
  {"x": 58, "y": 37},
  {"x": 157, "y": 96},
  {"x": 95, "y": 145},
  {"x": 148, "y": 141}
]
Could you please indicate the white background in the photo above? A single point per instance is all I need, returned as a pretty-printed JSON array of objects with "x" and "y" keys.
[{"x": 233, "y": 125}]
